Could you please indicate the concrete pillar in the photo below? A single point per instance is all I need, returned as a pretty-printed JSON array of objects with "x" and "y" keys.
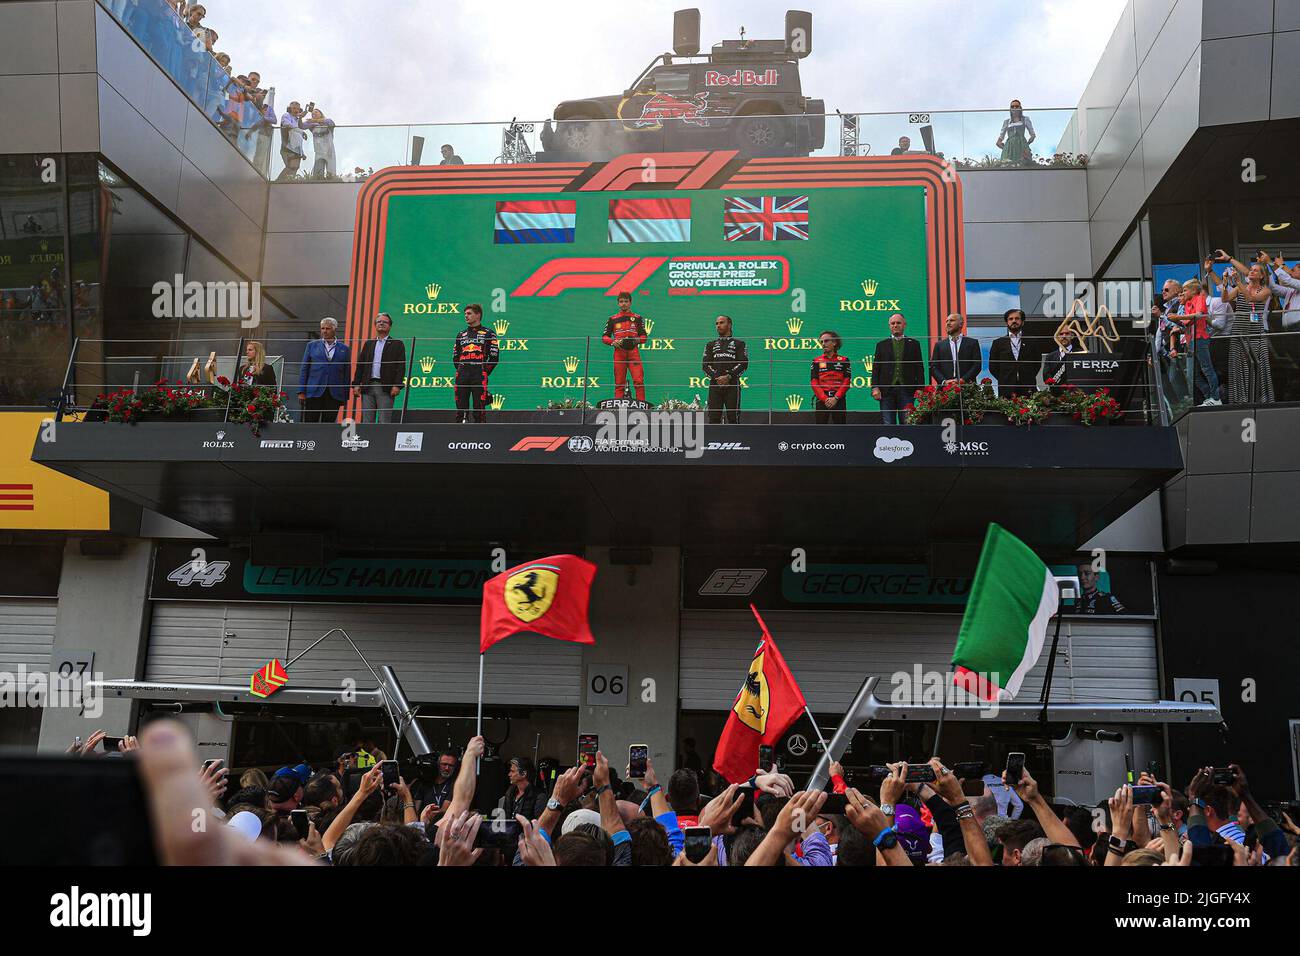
[
  {"x": 636, "y": 620},
  {"x": 103, "y": 607}
]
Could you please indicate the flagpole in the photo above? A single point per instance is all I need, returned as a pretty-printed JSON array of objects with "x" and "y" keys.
[
  {"x": 1051, "y": 665},
  {"x": 478, "y": 726},
  {"x": 938, "y": 732},
  {"x": 820, "y": 739}
]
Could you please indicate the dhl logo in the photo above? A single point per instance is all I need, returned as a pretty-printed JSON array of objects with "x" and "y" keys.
[{"x": 268, "y": 680}]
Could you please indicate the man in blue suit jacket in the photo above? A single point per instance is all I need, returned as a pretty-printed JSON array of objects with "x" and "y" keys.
[{"x": 324, "y": 376}]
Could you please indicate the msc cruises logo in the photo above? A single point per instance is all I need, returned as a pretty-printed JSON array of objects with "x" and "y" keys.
[{"x": 967, "y": 447}]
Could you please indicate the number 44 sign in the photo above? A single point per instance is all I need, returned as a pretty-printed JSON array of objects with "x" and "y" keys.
[{"x": 268, "y": 680}]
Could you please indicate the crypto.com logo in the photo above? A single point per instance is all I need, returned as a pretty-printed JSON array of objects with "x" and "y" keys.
[{"x": 614, "y": 274}]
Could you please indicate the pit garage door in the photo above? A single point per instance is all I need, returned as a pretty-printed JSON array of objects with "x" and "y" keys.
[
  {"x": 433, "y": 649},
  {"x": 26, "y": 633},
  {"x": 832, "y": 653}
]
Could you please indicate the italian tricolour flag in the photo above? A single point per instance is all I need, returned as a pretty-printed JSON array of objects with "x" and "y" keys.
[{"x": 1003, "y": 631}]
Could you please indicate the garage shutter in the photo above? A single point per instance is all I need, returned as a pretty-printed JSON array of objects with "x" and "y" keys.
[
  {"x": 26, "y": 633},
  {"x": 832, "y": 653},
  {"x": 433, "y": 649}
]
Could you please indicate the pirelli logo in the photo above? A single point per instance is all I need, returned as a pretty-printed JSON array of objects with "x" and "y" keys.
[
  {"x": 732, "y": 582},
  {"x": 540, "y": 443},
  {"x": 17, "y": 498}
]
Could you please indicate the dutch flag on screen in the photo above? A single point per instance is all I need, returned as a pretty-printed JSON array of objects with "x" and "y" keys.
[
  {"x": 649, "y": 220},
  {"x": 536, "y": 220}
]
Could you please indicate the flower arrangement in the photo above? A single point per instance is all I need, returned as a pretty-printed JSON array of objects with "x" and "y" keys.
[
  {"x": 1087, "y": 407},
  {"x": 254, "y": 405},
  {"x": 970, "y": 400},
  {"x": 566, "y": 404},
  {"x": 678, "y": 405},
  {"x": 170, "y": 400}
]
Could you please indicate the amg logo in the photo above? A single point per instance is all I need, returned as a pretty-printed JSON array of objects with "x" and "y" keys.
[
  {"x": 732, "y": 582},
  {"x": 73, "y": 909}
]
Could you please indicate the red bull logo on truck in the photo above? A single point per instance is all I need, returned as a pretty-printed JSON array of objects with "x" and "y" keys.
[
  {"x": 664, "y": 106},
  {"x": 742, "y": 78}
]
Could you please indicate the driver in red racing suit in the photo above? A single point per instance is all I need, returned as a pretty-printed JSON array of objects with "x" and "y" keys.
[{"x": 625, "y": 330}]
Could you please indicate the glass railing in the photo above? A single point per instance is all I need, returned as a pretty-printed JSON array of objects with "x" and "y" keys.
[
  {"x": 211, "y": 87},
  {"x": 1227, "y": 368},
  {"x": 972, "y": 140},
  {"x": 569, "y": 377}
]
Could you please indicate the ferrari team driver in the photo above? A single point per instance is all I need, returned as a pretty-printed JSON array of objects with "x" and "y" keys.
[{"x": 625, "y": 331}]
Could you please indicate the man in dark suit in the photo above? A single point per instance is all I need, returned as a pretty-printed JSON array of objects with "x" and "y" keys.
[
  {"x": 1055, "y": 373},
  {"x": 323, "y": 376},
  {"x": 897, "y": 371},
  {"x": 381, "y": 370},
  {"x": 1013, "y": 359},
  {"x": 955, "y": 358}
]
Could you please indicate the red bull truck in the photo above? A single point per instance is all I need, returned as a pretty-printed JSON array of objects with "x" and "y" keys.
[{"x": 743, "y": 94}]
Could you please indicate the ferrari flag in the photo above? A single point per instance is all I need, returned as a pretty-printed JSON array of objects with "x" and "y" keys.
[
  {"x": 547, "y": 597},
  {"x": 768, "y": 703},
  {"x": 1012, "y": 598}
]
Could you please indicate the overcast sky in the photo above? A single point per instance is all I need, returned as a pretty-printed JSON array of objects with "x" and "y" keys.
[{"x": 433, "y": 61}]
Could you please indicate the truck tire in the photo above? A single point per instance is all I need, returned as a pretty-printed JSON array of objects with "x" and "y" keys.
[
  {"x": 579, "y": 137},
  {"x": 762, "y": 135}
]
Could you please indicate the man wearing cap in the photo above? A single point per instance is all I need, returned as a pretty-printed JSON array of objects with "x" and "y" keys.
[
  {"x": 897, "y": 371},
  {"x": 381, "y": 372}
]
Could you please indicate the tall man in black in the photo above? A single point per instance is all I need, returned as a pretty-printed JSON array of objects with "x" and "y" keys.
[
  {"x": 956, "y": 358},
  {"x": 1013, "y": 359},
  {"x": 475, "y": 355},
  {"x": 725, "y": 359},
  {"x": 897, "y": 371},
  {"x": 381, "y": 372}
]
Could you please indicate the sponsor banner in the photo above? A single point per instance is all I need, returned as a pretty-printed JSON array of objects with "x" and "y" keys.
[
  {"x": 716, "y": 580},
  {"x": 780, "y": 445},
  {"x": 225, "y": 574}
]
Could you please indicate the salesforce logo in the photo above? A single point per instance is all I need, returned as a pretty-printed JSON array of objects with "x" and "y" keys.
[{"x": 892, "y": 449}]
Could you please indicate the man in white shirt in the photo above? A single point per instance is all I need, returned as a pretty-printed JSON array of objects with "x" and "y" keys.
[
  {"x": 381, "y": 372},
  {"x": 956, "y": 358}
]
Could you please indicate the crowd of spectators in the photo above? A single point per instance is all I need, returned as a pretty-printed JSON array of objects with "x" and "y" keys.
[
  {"x": 589, "y": 817},
  {"x": 1213, "y": 341}
]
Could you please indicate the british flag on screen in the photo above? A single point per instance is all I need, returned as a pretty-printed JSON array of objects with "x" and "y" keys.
[{"x": 764, "y": 218}]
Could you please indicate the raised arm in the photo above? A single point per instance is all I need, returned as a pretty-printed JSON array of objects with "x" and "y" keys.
[
  {"x": 462, "y": 791},
  {"x": 369, "y": 783},
  {"x": 948, "y": 789},
  {"x": 795, "y": 819},
  {"x": 1053, "y": 828}
]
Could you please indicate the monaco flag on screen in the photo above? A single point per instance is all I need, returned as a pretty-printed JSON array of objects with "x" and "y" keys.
[
  {"x": 768, "y": 703},
  {"x": 548, "y": 597},
  {"x": 649, "y": 220}
]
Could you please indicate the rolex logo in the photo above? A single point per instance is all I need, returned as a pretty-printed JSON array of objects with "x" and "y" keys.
[
  {"x": 794, "y": 402},
  {"x": 501, "y": 326},
  {"x": 45, "y": 246},
  {"x": 649, "y": 326},
  {"x": 497, "y": 402},
  {"x": 868, "y": 361},
  {"x": 432, "y": 290},
  {"x": 869, "y": 287},
  {"x": 571, "y": 364},
  {"x": 794, "y": 324},
  {"x": 427, "y": 363}
]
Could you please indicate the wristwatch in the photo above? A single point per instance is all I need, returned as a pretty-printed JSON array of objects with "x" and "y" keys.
[
  {"x": 553, "y": 804},
  {"x": 886, "y": 839},
  {"x": 887, "y": 809}
]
